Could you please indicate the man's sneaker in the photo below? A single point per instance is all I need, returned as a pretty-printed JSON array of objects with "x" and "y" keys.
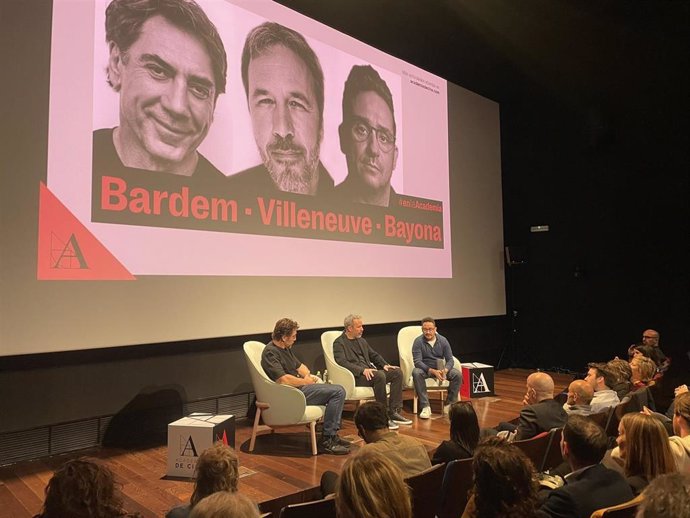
[
  {"x": 446, "y": 408},
  {"x": 397, "y": 418},
  {"x": 330, "y": 445},
  {"x": 425, "y": 413},
  {"x": 342, "y": 441},
  {"x": 392, "y": 425}
]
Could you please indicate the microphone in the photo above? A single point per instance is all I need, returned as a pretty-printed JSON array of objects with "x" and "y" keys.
[{"x": 440, "y": 365}]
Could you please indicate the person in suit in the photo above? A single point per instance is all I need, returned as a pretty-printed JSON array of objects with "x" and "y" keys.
[
  {"x": 541, "y": 412},
  {"x": 370, "y": 369},
  {"x": 590, "y": 485}
]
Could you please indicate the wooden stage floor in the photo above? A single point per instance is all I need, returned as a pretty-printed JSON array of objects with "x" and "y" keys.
[{"x": 279, "y": 471}]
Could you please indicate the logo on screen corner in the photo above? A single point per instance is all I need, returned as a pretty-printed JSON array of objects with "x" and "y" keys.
[{"x": 66, "y": 255}]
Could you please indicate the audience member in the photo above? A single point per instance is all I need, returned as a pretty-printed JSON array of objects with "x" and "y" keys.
[
  {"x": 541, "y": 412},
  {"x": 666, "y": 496},
  {"x": 503, "y": 482},
  {"x": 580, "y": 394},
  {"x": 224, "y": 504},
  {"x": 216, "y": 470},
  {"x": 433, "y": 358},
  {"x": 680, "y": 443},
  {"x": 370, "y": 369},
  {"x": 601, "y": 380},
  {"x": 643, "y": 450},
  {"x": 590, "y": 485},
  {"x": 643, "y": 371},
  {"x": 371, "y": 485},
  {"x": 464, "y": 434},
  {"x": 82, "y": 489},
  {"x": 676, "y": 392},
  {"x": 410, "y": 455},
  {"x": 650, "y": 348},
  {"x": 622, "y": 373}
]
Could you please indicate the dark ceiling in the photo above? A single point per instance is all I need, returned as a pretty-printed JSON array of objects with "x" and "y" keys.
[{"x": 583, "y": 51}]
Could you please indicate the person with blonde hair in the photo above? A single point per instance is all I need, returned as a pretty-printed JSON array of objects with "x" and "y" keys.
[
  {"x": 371, "y": 485},
  {"x": 225, "y": 505},
  {"x": 643, "y": 450},
  {"x": 216, "y": 470},
  {"x": 643, "y": 371}
]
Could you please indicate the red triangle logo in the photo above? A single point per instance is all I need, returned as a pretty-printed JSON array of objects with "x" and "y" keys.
[{"x": 67, "y": 250}]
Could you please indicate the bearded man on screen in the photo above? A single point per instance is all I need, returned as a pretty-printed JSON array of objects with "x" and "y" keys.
[
  {"x": 168, "y": 64},
  {"x": 283, "y": 81}
]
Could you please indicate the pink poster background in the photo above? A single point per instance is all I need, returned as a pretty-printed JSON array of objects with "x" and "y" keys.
[{"x": 81, "y": 101}]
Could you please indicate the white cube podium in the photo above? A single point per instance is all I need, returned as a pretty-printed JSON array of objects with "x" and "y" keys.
[{"x": 189, "y": 436}]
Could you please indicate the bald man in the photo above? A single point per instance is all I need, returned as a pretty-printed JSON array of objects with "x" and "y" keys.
[
  {"x": 580, "y": 394},
  {"x": 541, "y": 412}
]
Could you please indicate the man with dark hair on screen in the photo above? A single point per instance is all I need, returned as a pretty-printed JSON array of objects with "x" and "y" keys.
[
  {"x": 283, "y": 82},
  {"x": 367, "y": 138},
  {"x": 168, "y": 63}
]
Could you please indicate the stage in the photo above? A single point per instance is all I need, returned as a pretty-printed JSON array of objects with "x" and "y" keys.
[{"x": 280, "y": 471}]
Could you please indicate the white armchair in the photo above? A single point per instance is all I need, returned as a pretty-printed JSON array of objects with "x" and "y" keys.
[
  {"x": 278, "y": 405},
  {"x": 339, "y": 375},
  {"x": 406, "y": 337}
]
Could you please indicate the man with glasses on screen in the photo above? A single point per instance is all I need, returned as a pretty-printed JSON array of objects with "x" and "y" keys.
[
  {"x": 367, "y": 138},
  {"x": 283, "y": 82},
  {"x": 168, "y": 64}
]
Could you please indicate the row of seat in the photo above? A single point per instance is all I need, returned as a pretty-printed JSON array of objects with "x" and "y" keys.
[
  {"x": 281, "y": 405},
  {"x": 455, "y": 481}
]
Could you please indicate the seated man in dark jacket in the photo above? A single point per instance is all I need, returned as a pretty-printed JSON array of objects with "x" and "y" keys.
[
  {"x": 370, "y": 369},
  {"x": 591, "y": 485},
  {"x": 541, "y": 412}
]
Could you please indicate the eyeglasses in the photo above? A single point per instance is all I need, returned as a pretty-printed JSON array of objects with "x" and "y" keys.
[{"x": 361, "y": 131}]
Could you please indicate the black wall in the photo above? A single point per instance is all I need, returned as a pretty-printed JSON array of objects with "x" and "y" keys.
[
  {"x": 594, "y": 130},
  {"x": 594, "y": 114}
]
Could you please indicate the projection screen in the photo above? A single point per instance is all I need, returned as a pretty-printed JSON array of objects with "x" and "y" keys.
[{"x": 171, "y": 210}]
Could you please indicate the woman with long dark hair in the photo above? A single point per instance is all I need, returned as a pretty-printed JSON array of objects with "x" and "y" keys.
[
  {"x": 504, "y": 482},
  {"x": 464, "y": 434}
]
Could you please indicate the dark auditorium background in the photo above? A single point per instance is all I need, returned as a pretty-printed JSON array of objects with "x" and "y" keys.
[{"x": 594, "y": 136}]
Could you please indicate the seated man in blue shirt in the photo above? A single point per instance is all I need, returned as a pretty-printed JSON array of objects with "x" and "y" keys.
[{"x": 433, "y": 358}]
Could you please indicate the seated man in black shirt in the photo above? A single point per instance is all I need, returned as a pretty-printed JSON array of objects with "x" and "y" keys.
[
  {"x": 370, "y": 369},
  {"x": 282, "y": 366}
]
